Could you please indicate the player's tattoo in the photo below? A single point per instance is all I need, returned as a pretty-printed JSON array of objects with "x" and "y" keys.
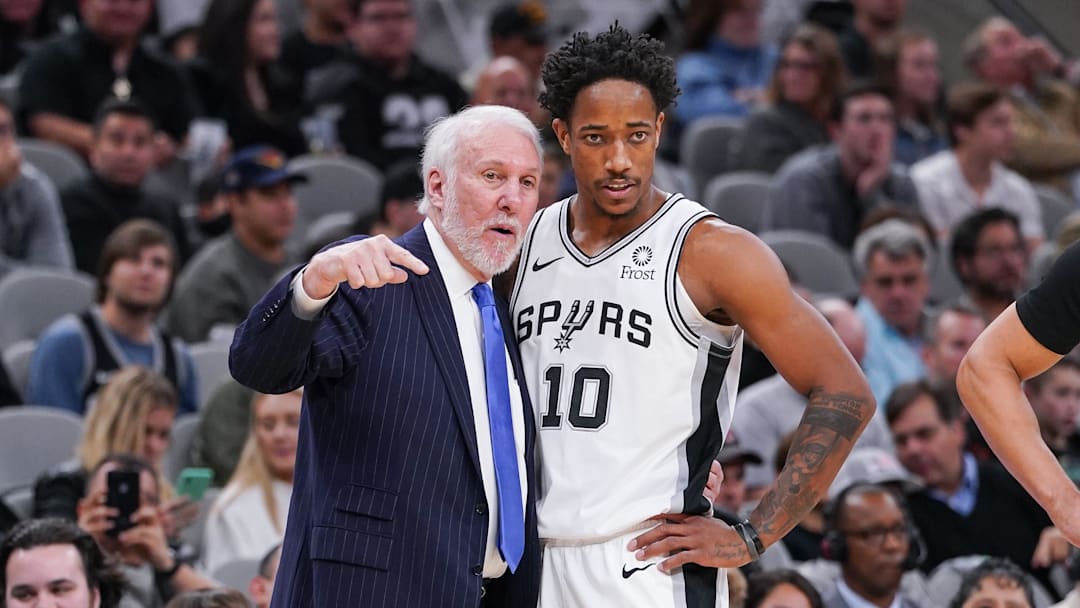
[{"x": 830, "y": 420}]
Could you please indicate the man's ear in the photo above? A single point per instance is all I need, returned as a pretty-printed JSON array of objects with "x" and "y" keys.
[
  {"x": 659, "y": 129},
  {"x": 436, "y": 187},
  {"x": 562, "y": 133}
]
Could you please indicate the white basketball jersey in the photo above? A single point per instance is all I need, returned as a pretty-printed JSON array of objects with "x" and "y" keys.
[{"x": 633, "y": 388}]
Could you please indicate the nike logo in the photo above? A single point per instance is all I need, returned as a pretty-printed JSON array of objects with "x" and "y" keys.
[
  {"x": 628, "y": 573},
  {"x": 537, "y": 266}
]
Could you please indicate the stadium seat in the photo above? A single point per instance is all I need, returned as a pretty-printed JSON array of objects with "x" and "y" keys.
[
  {"x": 16, "y": 359},
  {"x": 704, "y": 147},
  {"x": 335, "y": 183},
  {"x": 816, "y": 262},
  {"x": 237, "y": 574},
  {"x": 1055, "y": 206},
  {"x": 192, "y": 535},
  {"x": 944, "y": 284},
  {"x": 738, "y": 198},
  {"x": 328, "y": 228},
  {"x": 211, "y": 366},
  {"x": 673, "y": 178},
  {"x": 32, "y": 298},
  {"x": 61, "y": 164},
  {"x": 178, "y": 455},
  {"x": 34, "y": 439}
]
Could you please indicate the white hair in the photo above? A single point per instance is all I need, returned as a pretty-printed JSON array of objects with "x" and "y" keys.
[
  {"x": 896, "y": 238},
  {"x": 446, "y": 137}
]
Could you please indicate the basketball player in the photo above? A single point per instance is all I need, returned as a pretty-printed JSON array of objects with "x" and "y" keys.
[
  {"x": 1025, "y": 340},
  {"x": 630, "y": 306}
]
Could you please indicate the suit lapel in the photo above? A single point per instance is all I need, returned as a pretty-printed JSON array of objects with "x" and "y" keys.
[{"x": 438, "y": 320}]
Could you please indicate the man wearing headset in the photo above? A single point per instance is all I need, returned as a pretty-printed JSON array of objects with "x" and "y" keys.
[{"x": 868, "y": 532}]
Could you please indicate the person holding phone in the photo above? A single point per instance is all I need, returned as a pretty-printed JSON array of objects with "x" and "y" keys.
[
  {"x": 120, "y": 510},
  {"x": 248, "y": 518}
]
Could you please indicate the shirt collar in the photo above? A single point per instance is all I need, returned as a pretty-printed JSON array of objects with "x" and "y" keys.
[
  {"x": 854, "y": 600},
  {"x": 458, "y": 280}
]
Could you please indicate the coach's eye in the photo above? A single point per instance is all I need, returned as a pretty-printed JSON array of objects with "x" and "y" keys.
[{"x": 491, "y": 175}]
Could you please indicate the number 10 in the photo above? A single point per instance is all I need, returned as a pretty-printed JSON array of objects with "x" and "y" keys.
[{"x": 599, "y": 377}]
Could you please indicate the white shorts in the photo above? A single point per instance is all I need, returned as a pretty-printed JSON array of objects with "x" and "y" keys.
[{"x": 607, "y": 574}]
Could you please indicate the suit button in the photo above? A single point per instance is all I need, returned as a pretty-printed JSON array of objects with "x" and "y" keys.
[
  {"x": 481, "y": 509},
  {"x": 477, "y": 570}
]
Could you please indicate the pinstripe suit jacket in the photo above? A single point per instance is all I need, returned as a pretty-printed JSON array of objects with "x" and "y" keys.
[{"x": 388, "y": 505}]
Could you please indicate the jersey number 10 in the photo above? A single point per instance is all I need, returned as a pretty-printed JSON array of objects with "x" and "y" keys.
[{"x": 595, "y": 381}]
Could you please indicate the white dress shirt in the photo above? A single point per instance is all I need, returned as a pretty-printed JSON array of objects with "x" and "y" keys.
[{"x": 459, "y": 283}]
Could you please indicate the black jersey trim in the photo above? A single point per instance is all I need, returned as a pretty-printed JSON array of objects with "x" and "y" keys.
[
  {"x": 670, "y": 292},
  {"x": 586, "y": 260},
  {"x": 705, "y": 442}
]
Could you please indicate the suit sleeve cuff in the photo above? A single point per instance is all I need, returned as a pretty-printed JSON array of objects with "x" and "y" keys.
[{"x": 304, "y": 306}]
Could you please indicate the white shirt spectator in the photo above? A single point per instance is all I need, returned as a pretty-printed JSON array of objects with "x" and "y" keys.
[{"x": 239, "y": 526}]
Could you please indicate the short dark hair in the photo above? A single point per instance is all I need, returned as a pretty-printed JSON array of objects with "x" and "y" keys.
[
  {"x": 930, "y": 323},
  {"x": 905, "y": 394},
  {"x": 853, "y": 90},
  {"x": 998, "y": 568},
  {"x": 966, "y": 102},
  {"x": 209, "y": 598},
  {"x": 615, "y": 54},
  {"x": 126, "y": 242},
  {"x": 401, "y": 181},
  {"x": 762, "y": 583},
  {"x": 128, "y": 463},
  {"x": 101, "y": 573},
  {"x": 129, "y": 107},
  {"x": 965, "y": 236},
  {"x": 1036, "y": 383},
  {"x": 835, "y": 508}
]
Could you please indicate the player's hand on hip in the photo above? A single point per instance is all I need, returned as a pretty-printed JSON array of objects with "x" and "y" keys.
[
  {"x": 371, "y": 263},
  {"x": 712, "y": 486},
  {"x": 689, "y": 539}
]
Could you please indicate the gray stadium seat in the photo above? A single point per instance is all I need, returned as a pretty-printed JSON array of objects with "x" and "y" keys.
[
  {"x": 211, "y": 366},
  {"x": 178, "y": 455},
  {"x": 335, "y": 183},
  {"x": 237, "y": 574},
  {"x": 1055, "y": 206},
  {"x": 34, "y": 439},
  {"x": 61, "y": 164},
  {"x": 17, "y": 362},
  {"x": 673, "y": 178},
  {"x": 32, "y": 298},
  {"x": 704, "y": 147},
  {"x": 328, "y": 228},
  {"x": 816, "y": 262},
  {"x": 739, "y": 198},
  {"x": 944, "y": 284},
  {"x": 192, "y": 535}
]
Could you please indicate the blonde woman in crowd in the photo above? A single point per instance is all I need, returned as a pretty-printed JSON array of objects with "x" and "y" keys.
[
  {"x": 134, "y": 414},
  {"x": 248, "y": 518}
]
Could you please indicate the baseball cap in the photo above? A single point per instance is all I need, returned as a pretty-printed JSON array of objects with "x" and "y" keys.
[
  {"x": 872, "y": 465},
  {"x": 526, "y": 19},
  {"x": 733, "y": 451},
  {"x": 258, "y": 167}
]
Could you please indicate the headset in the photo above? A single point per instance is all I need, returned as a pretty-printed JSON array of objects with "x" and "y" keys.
[{"x": 834, "y": 543}]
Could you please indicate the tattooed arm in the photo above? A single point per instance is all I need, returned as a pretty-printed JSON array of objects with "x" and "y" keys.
[{"x": 730, "y": 274}]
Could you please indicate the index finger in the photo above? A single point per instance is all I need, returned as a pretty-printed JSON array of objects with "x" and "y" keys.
[{"x": 402, "y": 257}]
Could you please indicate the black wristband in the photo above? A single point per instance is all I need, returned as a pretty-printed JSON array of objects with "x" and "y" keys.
[
  {"x": 168, "y": 574},
  {"x": 750, "y": 536}
]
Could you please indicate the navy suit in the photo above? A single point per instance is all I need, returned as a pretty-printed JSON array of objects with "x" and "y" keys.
[{"x": 388, "y": 505}]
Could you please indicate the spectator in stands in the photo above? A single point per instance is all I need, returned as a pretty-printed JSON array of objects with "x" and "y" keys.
[
  {"x": 954, "y": 183},
  {"x": 68, "y": 77},
  {"x": 873, "y": 465},
  {"x": 733, "y": 457},
  {"x": 134, "y": 414},
  {"x": 908, "y": 65},
  {"x": 505, "y": 81},
  {"x": 210, "y": 598},
  {"x": 995, "y": 582},
  {"x": 1047, "y": 109},
  {"x": 770, "y": 409},
  {"x": 153, "y": 572},
  {"x": 32, "y": 231},
  {"x": 229, "y": 275},
  {"x": 1055, "y": 398},
  {"x": 212, "y": 217},
  {"x": 963, "y": 504},
  {"x": 402, "y": 187},
  {"x": 947, "y": 335},
  {"x": 781, "y": 589},
  {"x": 121, "y": 157},
  {"x": 261, "y": 587},
  {"x": 990, "y": 258},
  {"x": 321, "y": 39},
  {"x": 23, "y": 23},
  {"x": 869, "y": 533},
  {"x": 893, "y": 261},
  {"x": 802, "y": 90},
  {"x": 248, "y": 518},
  {"x": 51, "y": 562},
  {"x": 725, "y": 67},
  {"x": 519, "y": 30},
  {"x": 383, "y": 97},
  {"x": 830, "y": 189},
  {"x": 552, "y": 177},
  {"x": 223, "y": 428},
  {"x": 238, "y": 80},
  {"x": 874, "y": 21},
  {"x": 76, "y": 354}
]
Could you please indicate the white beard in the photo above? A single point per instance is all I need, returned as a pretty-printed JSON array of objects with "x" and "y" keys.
[{"x": 470, "y": 240}]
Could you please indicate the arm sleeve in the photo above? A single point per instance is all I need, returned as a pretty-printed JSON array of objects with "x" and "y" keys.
[
  {"x": 794, "y": 204},
  {"x": 49, "y": 242},
  {"x": 1051, "y": 311},
  {"x": 56, "y": 370},
  {"x": 46, "y": 84}
]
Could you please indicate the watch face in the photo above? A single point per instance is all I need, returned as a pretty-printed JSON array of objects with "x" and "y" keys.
[{"x": 121, "y": 88}]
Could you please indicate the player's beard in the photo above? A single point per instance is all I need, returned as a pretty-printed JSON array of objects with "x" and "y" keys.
[{"x": 490, "y": 259}]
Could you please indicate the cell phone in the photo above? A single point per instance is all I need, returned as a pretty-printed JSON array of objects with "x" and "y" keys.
[
  {"x": 122, "y": 495},
  {"x": 193, "y": 482}
]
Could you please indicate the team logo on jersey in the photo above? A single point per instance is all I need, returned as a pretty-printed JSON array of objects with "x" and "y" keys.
[
  {"x": 642, "y": 255},
  {"x": 573, "y": 322}
]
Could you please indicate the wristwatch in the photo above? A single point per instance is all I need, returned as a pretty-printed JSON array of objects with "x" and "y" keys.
[{"x": 750, "y": 536}]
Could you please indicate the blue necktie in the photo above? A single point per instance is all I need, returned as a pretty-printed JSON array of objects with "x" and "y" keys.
[{"x": 507, "y": 481}]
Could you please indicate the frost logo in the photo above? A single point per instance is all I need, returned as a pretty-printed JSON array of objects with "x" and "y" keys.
[{"x": 642, "y": 255}]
